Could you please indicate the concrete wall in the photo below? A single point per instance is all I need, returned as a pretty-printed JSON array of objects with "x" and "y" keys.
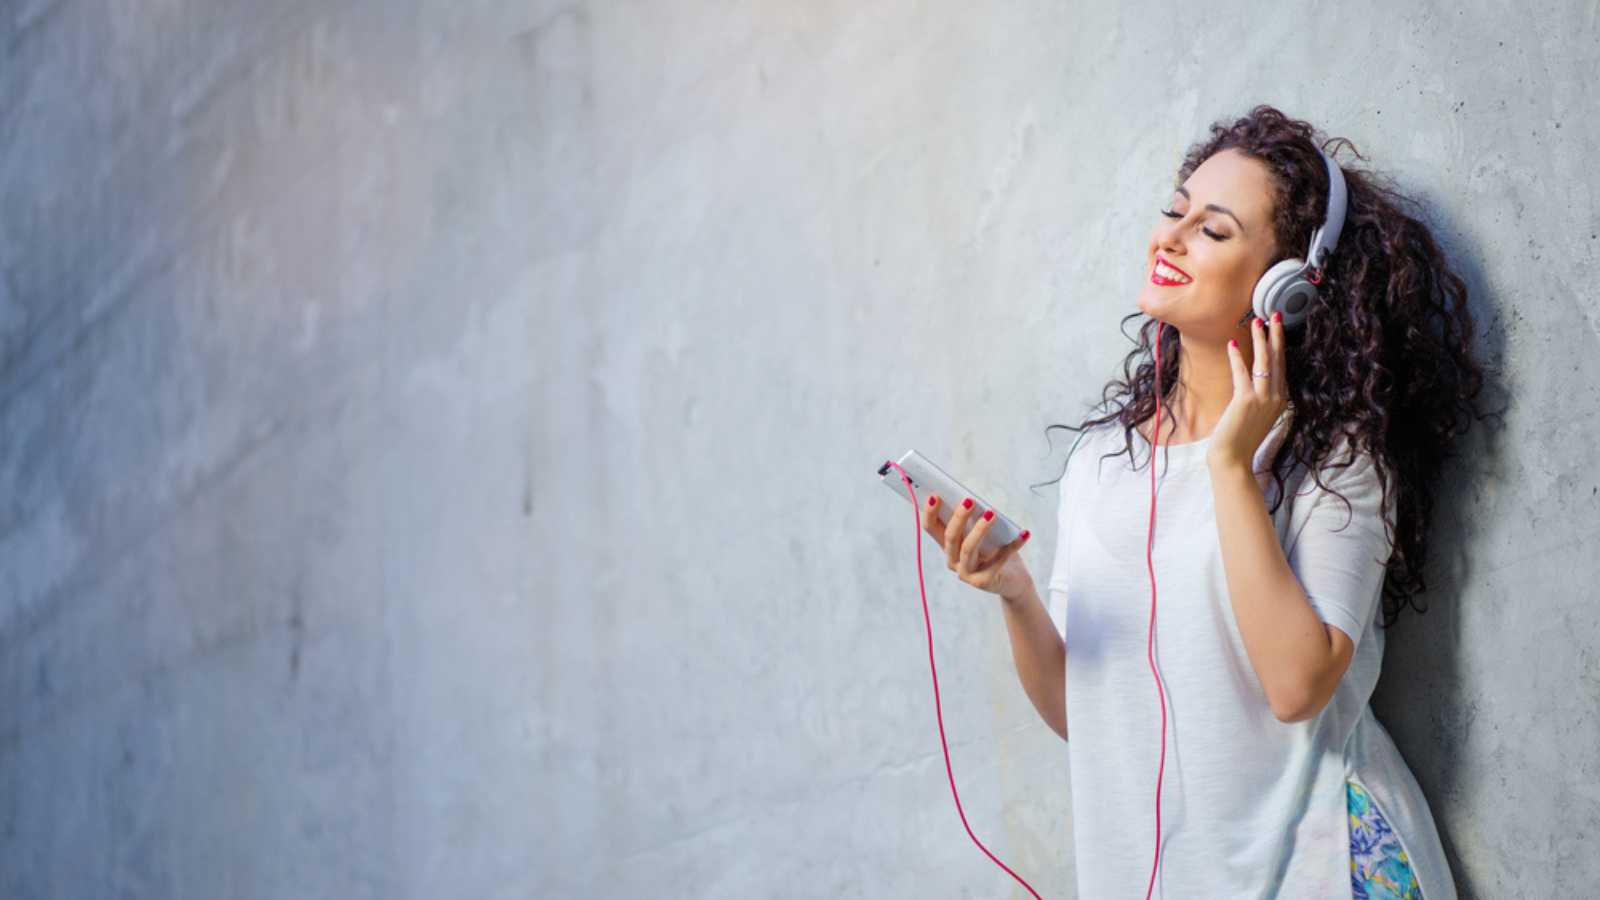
[{"x": 436, "y": 443}]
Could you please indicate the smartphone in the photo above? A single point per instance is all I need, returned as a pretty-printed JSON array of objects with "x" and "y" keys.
[{"x": 928, "y": 478}]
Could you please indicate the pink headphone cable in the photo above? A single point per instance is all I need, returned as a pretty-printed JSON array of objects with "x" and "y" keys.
[
  {"x": 1149, "y": 647},
  {"x": 916, "y": 512},
  {"x": 1161, "y": 693}
]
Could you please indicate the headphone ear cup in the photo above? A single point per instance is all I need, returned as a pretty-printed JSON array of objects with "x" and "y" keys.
[{"x": 1283, "y": 289}]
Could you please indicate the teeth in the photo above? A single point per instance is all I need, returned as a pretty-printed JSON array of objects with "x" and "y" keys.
[{"x": 1166, "y": 271}]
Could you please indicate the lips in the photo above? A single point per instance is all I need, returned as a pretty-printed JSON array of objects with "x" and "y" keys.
[{"x": 1156, "y": 278}]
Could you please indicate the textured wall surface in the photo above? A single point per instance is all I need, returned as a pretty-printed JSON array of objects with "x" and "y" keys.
[{"x": 436, "y": 443}]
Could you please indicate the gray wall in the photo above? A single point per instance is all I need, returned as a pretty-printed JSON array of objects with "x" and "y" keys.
[{"x": 436, "y": 444}]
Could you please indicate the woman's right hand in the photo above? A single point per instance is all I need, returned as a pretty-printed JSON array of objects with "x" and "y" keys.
[{"x": 1002, "y": 572}]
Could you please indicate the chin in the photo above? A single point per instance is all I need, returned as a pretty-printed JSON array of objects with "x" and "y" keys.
[{"x": 1150, "y": 305}]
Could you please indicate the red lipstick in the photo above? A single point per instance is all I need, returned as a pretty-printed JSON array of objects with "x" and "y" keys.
[{"x": 1156, "y": 278}]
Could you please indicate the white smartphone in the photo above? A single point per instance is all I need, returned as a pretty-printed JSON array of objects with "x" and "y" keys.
[{"x": 929, "y": 478}]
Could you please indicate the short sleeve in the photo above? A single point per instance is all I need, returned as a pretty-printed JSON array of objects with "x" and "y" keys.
[
  {"x": 1056, "y": 590},
  {"x": 1058, "y": 566},
  {"x": 1340, "y": 554},
  {"x": 1058, "y": 611}
]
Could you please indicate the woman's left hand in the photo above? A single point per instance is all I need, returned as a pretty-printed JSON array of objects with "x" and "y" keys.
[{"x": 1257, "y": 402}]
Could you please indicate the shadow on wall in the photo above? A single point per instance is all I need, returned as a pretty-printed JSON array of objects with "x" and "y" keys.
[{"x": 1420, "y": 699}]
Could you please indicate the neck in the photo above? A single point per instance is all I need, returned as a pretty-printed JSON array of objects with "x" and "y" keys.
[{"x": 1204, "y": 389}]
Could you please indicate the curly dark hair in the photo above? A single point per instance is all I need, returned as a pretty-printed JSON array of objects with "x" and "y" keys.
[{"x": 1383, "y": 357}]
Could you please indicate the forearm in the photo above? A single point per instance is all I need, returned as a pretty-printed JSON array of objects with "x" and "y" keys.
[
  {"x": 1040, "y": 656},
  {"x": 1284, "y": 637}
]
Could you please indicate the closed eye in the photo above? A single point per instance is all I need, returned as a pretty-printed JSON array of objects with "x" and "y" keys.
[{"x": 1209, "y": 233}]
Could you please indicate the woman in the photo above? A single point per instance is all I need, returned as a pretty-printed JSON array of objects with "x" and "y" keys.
[{"x": 1291, "y": 496}]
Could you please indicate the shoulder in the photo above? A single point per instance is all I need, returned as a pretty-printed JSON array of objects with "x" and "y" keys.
[
  {"x": 1083, "y": 459},
  {"x": 1087, "y": 442},
  {"x": 1347, "y": 483},
  {"x": 1345, "y": 466},
  {"x": 1095, "y": 443}
]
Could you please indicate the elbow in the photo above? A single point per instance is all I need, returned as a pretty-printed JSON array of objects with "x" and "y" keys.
[
  {"x": 1304, "y": 697},
  {"x": 1299, "y": 706},
  {"x": 1294, "y": 714}
]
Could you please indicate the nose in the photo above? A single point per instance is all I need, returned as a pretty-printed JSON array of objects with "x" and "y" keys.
[
  {"x": 1171, "y": 250},
  {"x": 1167, "y": 234}
]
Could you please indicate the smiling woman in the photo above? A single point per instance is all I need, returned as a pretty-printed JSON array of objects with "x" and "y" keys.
[{"x": 1295, "y": 484}]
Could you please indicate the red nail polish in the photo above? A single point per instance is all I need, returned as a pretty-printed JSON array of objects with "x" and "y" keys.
[
  {"x": 1025, "y": 535},
  {"x": 1277, "y": 317},
  {"x": 1232, "y": 342},
  {"x": 967, "y": 503},
  {"x": 988, "y": 514},
  {"x": 932, "y": 500}
]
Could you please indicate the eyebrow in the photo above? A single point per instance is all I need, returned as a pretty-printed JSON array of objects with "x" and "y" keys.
[{"x": 1221, "y": 209}]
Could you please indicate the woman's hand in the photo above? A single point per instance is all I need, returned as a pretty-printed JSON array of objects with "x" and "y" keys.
[
  {"x": 1257, "y": 402},
  {"x": 1002, "y": 572}
]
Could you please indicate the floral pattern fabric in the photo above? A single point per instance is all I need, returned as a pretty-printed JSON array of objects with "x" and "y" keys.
[{"x": 1379, "y": 868}]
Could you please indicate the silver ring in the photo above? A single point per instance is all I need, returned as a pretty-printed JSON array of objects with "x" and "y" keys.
[{"x": 1262, "y": 374}]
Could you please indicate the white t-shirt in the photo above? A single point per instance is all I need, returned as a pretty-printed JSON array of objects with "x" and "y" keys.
[{"x": 1251, "y": 807}]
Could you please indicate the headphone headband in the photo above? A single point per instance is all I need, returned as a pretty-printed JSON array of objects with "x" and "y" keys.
[{"x": 1326, "y": 235}]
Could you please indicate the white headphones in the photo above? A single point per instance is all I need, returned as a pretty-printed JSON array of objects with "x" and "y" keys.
[{"x": 1286, "y": 288}]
